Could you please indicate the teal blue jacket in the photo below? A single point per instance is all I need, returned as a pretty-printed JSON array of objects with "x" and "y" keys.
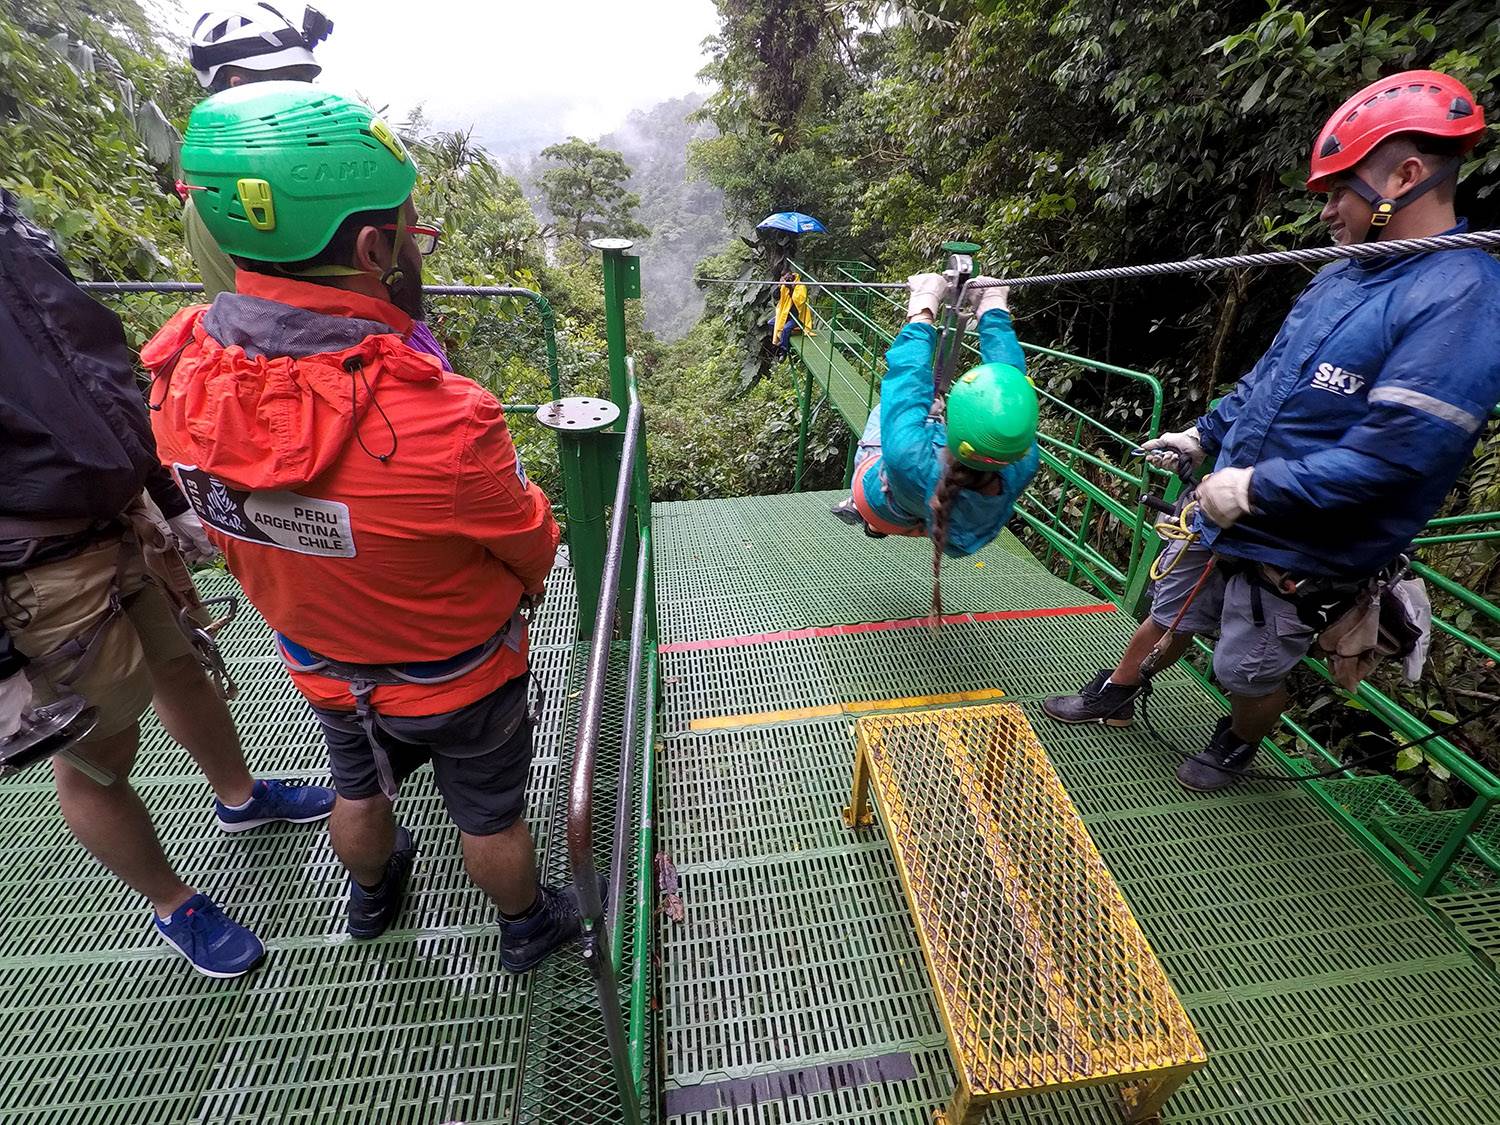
[{"x": 900, "y": 484}]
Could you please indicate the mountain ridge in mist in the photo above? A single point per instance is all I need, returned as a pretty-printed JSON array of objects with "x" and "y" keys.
[{"x": 685, "y": 216}]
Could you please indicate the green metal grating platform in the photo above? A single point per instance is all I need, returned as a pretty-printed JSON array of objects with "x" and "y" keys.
[
  {"x": 794, "y": 991},
  {"x": 103, "y": 1024}
]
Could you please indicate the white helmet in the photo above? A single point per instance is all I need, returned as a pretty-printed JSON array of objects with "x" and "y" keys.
[{"x": 253, "y": 36}]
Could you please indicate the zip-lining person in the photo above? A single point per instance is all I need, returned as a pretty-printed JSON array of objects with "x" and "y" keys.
[
  {"x": 371, "y": 504},
  {"x": 1342, "y": 441},
  {"x": 953, "y": 473},
  {"x": 233, "y": 45}
]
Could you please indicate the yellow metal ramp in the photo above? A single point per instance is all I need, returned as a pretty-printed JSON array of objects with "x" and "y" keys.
[{"x": 1042, "y": 975}]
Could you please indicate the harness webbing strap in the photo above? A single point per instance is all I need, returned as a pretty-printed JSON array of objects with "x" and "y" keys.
[{"x": 363, "y": 679}]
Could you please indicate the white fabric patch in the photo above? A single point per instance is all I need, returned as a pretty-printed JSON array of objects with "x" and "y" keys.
[{"x": 285, "y": 520}]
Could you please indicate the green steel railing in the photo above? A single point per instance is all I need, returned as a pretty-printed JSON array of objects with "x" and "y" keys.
[
  {"x": 1085, "y": 509},
  {"x": 612, "y": 570}
]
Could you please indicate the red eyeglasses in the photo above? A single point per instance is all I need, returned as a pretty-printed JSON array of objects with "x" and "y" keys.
[{"x": 426, "y": 237}]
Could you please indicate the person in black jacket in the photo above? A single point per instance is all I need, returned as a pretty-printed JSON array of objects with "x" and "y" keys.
[{"x": 79, "y": 610}]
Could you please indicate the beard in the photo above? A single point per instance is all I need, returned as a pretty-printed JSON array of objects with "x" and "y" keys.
[{"x": 406, "y": 288}]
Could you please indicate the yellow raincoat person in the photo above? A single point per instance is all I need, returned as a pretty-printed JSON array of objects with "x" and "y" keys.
[{"x": 791, "y": 310}]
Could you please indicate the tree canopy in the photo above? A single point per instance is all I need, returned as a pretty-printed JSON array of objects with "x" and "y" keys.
[{"x": 584, "y": 185}]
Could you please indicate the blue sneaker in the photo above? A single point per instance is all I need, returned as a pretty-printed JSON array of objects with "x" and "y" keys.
[
  {"x": 215, "y": 943},
  {"x": 277, "y": 800}
]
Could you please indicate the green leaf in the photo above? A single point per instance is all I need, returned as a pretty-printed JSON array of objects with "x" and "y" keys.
[
  {"x": 1253, "y": 94},
  {"x": 1408, "y": 759}
]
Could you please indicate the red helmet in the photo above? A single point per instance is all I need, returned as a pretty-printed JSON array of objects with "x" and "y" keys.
[{"x": 1414, "y": 101}]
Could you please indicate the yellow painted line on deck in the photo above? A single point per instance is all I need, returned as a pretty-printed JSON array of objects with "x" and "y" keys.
[{"x": 835, "y": 710}]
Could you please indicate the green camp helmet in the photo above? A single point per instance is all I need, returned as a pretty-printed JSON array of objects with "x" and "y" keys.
[
  {"x": 275, "y": 167},
  {"x": 992, "y": 413}
]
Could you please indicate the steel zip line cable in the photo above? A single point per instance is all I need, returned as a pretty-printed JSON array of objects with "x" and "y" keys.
[{"x": 1396, "y": 247}]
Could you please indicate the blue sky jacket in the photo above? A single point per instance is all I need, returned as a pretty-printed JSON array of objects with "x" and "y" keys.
[
  {"x": 912, "y": 444},
  {"x": 1363, "y": 412}
]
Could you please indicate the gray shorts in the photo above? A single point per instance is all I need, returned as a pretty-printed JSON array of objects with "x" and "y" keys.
[
  {"x": 480, "y": 756},
  {"x": 1249, "y": 659}
]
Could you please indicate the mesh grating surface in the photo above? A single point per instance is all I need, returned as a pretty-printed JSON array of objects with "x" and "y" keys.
[
  {"x": 758, "y": 564},
  {"x": 1476, "y": 920},
  {"x": 1043, "y": 975},
  {"x": 104, "y": 1024},
  {"x": 1323, "y": 992},
  {"x": 568, "y": 1078}
]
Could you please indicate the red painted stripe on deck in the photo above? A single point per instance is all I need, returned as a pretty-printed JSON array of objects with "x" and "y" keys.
[{"x": 747, "y": 639}]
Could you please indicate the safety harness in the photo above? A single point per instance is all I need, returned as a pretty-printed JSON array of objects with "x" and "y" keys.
[
  {"x": 1323, "y": 604},
  {"x": 363, "y": 679},
  {"x": 141, "y": 530}
]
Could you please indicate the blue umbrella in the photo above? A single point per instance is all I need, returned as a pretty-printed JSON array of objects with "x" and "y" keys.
[{"x": 795, "y": 222}]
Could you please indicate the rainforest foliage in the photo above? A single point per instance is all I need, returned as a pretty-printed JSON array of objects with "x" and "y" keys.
[{"x": 1058, "y": 134}]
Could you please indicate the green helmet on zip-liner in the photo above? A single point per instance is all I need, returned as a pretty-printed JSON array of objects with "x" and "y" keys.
[
  {"x": 275, "y": 167},
  {"x": 992, "y": 415}
]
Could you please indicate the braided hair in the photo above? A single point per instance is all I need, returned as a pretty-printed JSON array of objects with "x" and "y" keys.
[{"x": 956, "y": 477}]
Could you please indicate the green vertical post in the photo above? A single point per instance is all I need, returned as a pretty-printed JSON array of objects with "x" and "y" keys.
[
  {"x": 622, "y": 282},
  {"x": 805, "y": 399},
  {"x": 588, "y": 457}
]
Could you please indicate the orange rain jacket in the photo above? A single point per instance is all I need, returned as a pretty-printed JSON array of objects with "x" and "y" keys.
[{"x": 372, "y": 505}]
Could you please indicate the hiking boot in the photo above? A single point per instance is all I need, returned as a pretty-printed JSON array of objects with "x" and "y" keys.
[
  {"x": 1205, "y": 771},
  {"x": 553, "y": 922},
  {"x": 372, "y": 912},
  {"x": 289, "y": 801},
  {"x": 213, "y": 942},
  {"x": 1098, "y": 701}
]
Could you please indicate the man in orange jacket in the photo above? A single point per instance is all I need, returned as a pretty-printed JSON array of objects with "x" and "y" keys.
[{"x": 371, "y": 504}]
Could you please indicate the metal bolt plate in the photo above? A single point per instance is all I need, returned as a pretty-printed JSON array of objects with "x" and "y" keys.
[{"x": 578, "y": 415}]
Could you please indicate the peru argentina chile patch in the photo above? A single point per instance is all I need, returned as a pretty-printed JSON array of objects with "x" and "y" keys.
[{"x": 274, "y": 519}]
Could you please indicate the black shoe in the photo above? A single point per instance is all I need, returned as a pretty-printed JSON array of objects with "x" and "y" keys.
[
  {"x": 1205, "y": 771},
  {"x": 525, "y": 944},
  {"x": 846, "y": 512},
  {"x": 372, "y": 912},
  {"x": 1098, "y": 701}
]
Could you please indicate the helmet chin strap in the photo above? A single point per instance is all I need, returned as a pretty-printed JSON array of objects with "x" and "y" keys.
[
  {"x": 396, "y": 275},
  {"x": 390, "y": 278},
  {"x": 1385, "y": 208}
]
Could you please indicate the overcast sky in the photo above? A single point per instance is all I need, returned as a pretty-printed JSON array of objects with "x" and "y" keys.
[{"x": 523, "y": 72}]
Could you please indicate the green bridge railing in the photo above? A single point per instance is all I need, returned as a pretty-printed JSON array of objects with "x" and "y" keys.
[{"x": 1085, "y": 509}]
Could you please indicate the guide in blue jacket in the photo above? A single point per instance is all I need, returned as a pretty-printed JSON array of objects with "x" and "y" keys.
[
  {"x": 953, "y": 475},
  {"x": 1342, "y": 441}
]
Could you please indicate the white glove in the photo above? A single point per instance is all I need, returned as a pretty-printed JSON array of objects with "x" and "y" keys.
[
  {"x": 1224, "y": 496},
  {"x": 927, "y": 293},
  {"x": 994, "y": 297},
  {"x": 15, "y": 699},
  {"x": 192, "y": 541},
  {"x": 1165, "y": 452}
]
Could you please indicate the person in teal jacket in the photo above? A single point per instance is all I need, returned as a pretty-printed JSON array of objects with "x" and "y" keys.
[{"x": 955, "y": 475}]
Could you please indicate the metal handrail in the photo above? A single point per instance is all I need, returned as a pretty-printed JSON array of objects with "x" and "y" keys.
[
  {"x": 595, "y": 938},
  {"x": 489, "y": 292}
]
